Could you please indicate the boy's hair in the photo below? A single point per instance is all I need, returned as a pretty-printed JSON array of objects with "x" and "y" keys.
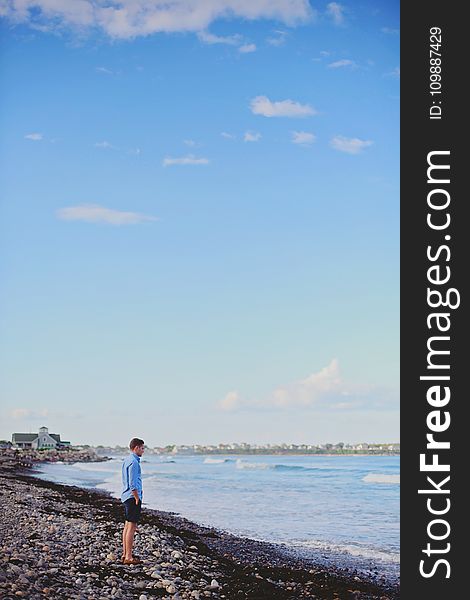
[{"x": 135, "y": 442}]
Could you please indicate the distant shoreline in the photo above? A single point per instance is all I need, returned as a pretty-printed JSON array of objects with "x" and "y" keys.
[{"x": 205, "y": 454}]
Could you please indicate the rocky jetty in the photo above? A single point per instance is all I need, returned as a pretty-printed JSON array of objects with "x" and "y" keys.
[
  {"x": 27, "y": 457},
  {"x": 63, "y": 542}
]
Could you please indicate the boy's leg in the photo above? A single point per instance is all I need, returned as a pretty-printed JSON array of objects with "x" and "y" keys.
[
  {"x": 130, "y": 531},
  {"x": 124, "y": 540}
]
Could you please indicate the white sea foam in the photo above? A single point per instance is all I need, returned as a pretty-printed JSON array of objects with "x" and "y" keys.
[
  {"x": 241, "y": 464},
  {"x": 214, "y": 461},
  {"x": 353, "y": 550},
  {"x": 96, "y": 466},
  {"x": 151, "y": 478},
  {"x": 112, "y": 485},
  {"x": 381, "y": 478}
]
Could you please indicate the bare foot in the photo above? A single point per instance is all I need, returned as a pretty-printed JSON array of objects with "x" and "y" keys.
[{"x": 132, "y": 561}]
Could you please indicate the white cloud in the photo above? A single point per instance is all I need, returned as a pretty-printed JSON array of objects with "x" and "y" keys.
[
  {"x": 229, "y": 402},
  {"x": 132, "y": 18},
  {"x": 336, "y": 12},
  {"x": 323, "y": 54},
  {"x": 325, "y": 389},
  {"x": 261, "y": 105},
  {"x": 349, "y": 145},
  {"x": 303, "y": 138},
  {"x": 190, "y": 143},
  {"x": 44, "y": 414},
  {"x": 252, "y": 136},
  {"x": 35, "y": 137},
  {"x": 190, "y": 159},
  {"x": 94, "y": 213},
  {"x": 394, "y": 73},
  {"x": 230, "y": 40},
  {"x": 308, "y": 391},
  {"x": 247, "y": 48},
  {"x": 27, "y": 413},
  {"x": 279, "y": 40},
  {"x": 104, "y": 144},
  {"x": 390, "y": 31},
  {"x": 104, "y": 70},
  {"x": 345, "y": 62},
  {"x": 228, "y": 136},
  {"x": 210, "y": 38}
]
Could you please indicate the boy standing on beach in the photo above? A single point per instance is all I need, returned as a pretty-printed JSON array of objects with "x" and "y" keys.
[{"x": 131, "y": 497}]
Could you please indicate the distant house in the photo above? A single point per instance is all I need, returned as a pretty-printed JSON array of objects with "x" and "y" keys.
[{"x": 38, "y": 441}]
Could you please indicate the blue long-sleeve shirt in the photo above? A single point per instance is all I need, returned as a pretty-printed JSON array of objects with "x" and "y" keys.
[{"x": 131, "y": 477}]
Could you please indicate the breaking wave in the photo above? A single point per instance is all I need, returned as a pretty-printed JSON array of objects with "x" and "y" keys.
[
  {"x": 241, "y": 464},
  {"x": 381, "y": 478}
]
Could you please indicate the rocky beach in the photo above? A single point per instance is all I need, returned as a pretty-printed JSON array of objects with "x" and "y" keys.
[
  {"x": 64, "y": 542},
  {"x": 28, "y": 457}
]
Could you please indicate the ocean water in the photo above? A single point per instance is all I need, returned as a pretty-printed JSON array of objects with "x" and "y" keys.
[{"x": 340, "y": 509}]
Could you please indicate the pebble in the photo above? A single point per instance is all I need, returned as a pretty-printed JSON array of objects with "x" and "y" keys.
[
  {"x": 90, "y": 547},
  {"x": 74, "y": 554}
]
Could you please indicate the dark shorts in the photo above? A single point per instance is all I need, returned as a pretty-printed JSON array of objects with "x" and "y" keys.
[{"x": 132, "y": 510}]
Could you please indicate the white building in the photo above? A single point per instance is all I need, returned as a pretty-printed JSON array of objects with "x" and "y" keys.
[{"x": 38, "y": 441}]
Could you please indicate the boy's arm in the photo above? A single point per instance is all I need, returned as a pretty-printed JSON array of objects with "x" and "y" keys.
[{"x": 133, "y": 482}]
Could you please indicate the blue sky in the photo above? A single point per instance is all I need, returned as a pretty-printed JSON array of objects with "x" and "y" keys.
[{"x": 200, "y": 220}]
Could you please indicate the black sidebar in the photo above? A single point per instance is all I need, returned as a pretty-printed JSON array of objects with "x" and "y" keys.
[{"x": 435, "y": 250}]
